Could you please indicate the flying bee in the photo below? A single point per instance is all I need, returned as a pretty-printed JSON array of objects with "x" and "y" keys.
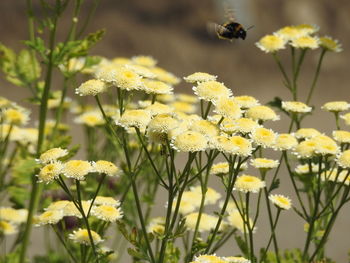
[{"x": 230, "y": 29}]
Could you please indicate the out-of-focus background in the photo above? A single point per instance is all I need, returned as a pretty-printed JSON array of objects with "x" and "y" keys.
[{"x": 175, "y": 33}]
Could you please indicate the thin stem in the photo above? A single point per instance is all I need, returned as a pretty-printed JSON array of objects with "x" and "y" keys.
[
  {"x": 313, "y": 85},
  {"x": 280, "y": 66},
  {"x": 60, "y": 238}
]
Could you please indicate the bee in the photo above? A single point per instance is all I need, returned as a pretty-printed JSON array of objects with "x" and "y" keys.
[{"x": 231, "y": 29}]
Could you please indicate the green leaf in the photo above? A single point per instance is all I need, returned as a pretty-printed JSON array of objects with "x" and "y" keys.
[
  {"x": 18, "y": 195},
  {"x": 28, "y": 67},
  {"x": 22, "y": 171},
  {"x": 242, "y": 245},
  {"x": 275, "y": 184}
]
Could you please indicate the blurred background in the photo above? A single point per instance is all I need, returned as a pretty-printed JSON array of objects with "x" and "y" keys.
[{"x": 175, "y": 33}]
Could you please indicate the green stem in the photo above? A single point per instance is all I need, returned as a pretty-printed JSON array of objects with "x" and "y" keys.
[
  {"x": 250, "y": 230},
  {"x": 296, "y": 72},
  {"x": 36, "y": 190},
  {"x": 271, "y": 238},
  {"x": 280, "y": 66},
  {"x": 313, "y": 85},
  {"x": 60, "y": 238}
]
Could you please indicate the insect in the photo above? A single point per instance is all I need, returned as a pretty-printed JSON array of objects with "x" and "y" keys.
[{"x": 231, "y": 29}]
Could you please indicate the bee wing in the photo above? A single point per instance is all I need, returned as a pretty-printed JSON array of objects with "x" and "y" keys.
[
  {"x": 229, "y": 12},
  {"x": 216, "y": 29}
]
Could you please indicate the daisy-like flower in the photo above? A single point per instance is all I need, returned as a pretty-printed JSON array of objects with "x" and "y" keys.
[
  {"x": 200, "y": 77},
  {"x": 336, "y": 106},
  {"x": 307, "y": 28},
  {"x": 105, "y": 167},
  {"x": 162, "y": 123},
  {"x": 81, "y": 236},
  {"x": 186, "y": 98},
  {"x": 146, "y": 61},
  {"x": 127, "y": 79},
  {"x": 77, "y": 169},
  {"x": 106, "y": 200},
  {"x": 285, "y": 141},
  {"x": 208, "y": 259},
  {"x": 271, "y": 43},
  {"x": 49, "y": 217},
  {"x": 235, "y": 219},
  {"x": 165, "y": 76},
  {"x": 71, "y": 210},
  {"x": 166, "y": 98},
  {"x": 121, "y": 61},
  {"x": 241, "y": 146},
  {"x": 206, "y": 224},
  {"x": 205, "y": 127},
  {"x": 261, "y": 113},
  {"x": 90, "y": 118},
  {"x": 91, "y": 87},
  {"x": 306, "y": 133},
  {"x": 190, "y": 201},
  {"x": 248, "y": 183},
  {"x": 343, "y": 159},
  {"x": 341, "y": 136},
  {"x": 295, "y": 107},
  {"x": 16, "y": 216},
  {"x": 50, "y": 172},
  {"x": 305, "y": 168},
  {"x": 289, "y": 33},
  {"x": 15, "y": 115},
  {"x": 246, "y": 102},
  {"x": 141, "y": 71},
  {"x": 156, "y": 87},
  {"x": 156, "y": 225},
  {"x": 190, "y": 141},
  {"x": 264, "y": 137},
  {"x": 211, "y": 196},
  {"x": 281, "y": 201},
  {"x": 220, "y": 168},
  {"x": 346, "y": 118},
  {"x": 52, "y": 155},
  {"x": 305, "y": 149},
  {"x": 58, "y": 205},
  {"x": 159, "y": 108},
  {"x": 325, "y": 145},
  {"x": 223, "y": 144},
  {"x": 107, "y": 213},
  {"x": 263, "y": 163},
  {"x": 211, "y": 91},
  {"x": 7, "y": 228},
  {"x": 228, "y": 108},
  {"x": 25, "y": 136},
  {"x": 306, "y": 42},
  {"x": 184, "y": 107},
  {"x": 245, "y": 125},
  {"x": 107, "y": 73},
  {"x": 330, "y": 44},
  {"x": 135, "y": 118},
  {"x": 237, "y": 260}
]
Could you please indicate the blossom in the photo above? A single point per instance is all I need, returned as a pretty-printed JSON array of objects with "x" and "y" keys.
[
  {"x": 134, "y": 118},
  {"x": 90, "y": 118},
  {"x": 91, "y": 87},
  {"x": 330, "y": 44},
  {"x": 156, "y": 225},
  {"x": 246, "y": 102},
  {"x": 271, "y": 43},
  {"x": 7, "y": 228},
  {"x": 200, "y": 77},
  {"x": 162, "y": 123},
  {"x": 346, "y": 118},
  {"x": 105, "y": 167},
  {"x": 285, "y": 141},
  {"x": 77, "y": 169},
  {"x": 341, "y": 136},
  {"x": 165, "y": 76},
  {"x": 52, "y": 155},
  {"x": 107, "y": 213},
  {"x": 343, "y": 159},
  {"x": 141, "y": 71},
  {"x": 190, "y": 141},
  {"x": 306, "y": 42},
  {"x": 146, "y": 61},
  {"x": 106, "y": 200},
  {"x": 235, "y": 219},
  {"x": 15, "y": 115},
  {"x": 295, "y": 107},
  {"x": 305, "y": 149},
  {"x": 325, "y": 145},
  {"x": 290, "y": 32},
  {"x": 211, "y": 91},
  {"x": 261, "y": 113},
  {"x": 264, "y": 137},
  {"x": 16, "y": 216},
  {"x": 241, "y": 146},
  {"x": 208, "y": 259},
  {"x": 281, "y": 201},
  {"x": 207, "y": 222},
  {"x": 263, "y": 163},
  {"x": 220, "y": 168},
  {"x": 186, "y": 98},
  {"x": 336, "y": 106},
  {"x": 223, "y": 144},
  {"x": 248, "y": 183},
  {"x": 185, "y": 107},
  {"x": 205, "y": 127},
  {"x": 50, "y": 172},
  {"x": 228, "y": 108},
  {"x": 156, "y": 87},
  {"x": 81, "y": 236},
  {"x": 211, "y": 196},
  {"x": 306, "y": 133},
  {"x": 236, "y": 260},
  {"x": 51, "y": 217}
]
